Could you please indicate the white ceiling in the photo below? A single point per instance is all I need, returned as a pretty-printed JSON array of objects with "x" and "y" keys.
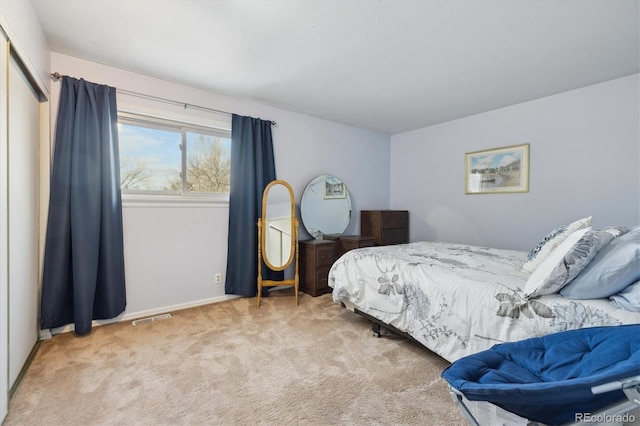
[{"x": 389, "y": 66}]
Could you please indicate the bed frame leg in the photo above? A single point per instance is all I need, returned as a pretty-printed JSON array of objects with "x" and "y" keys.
[{"x": 376, "y": 329}]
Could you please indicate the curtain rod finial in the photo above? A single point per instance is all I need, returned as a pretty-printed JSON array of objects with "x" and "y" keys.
[{"x": 56, "y": 75}]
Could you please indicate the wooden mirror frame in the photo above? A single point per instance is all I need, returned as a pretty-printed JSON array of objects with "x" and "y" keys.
[
  {"x": 262, "y": 238},
  {"x": 264, "y": 235}
]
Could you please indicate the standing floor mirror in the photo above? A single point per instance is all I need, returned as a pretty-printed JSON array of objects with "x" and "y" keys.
[{"x": 278, "y": 235}]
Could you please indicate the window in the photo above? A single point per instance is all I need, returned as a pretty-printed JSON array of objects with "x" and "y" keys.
[{"x": 164, "y": 157}]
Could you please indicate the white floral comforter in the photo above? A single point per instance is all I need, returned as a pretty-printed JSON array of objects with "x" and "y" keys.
[{"x": 458, "y": 299}]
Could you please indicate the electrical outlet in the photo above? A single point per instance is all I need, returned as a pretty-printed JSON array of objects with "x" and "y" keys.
[{"x": 218, "y": 278}]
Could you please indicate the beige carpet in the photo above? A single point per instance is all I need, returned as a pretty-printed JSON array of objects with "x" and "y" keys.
[{"x": 232, "y": 363}]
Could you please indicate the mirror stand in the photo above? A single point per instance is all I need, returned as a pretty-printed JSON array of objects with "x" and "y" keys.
[{"x": 272, "y": 283}]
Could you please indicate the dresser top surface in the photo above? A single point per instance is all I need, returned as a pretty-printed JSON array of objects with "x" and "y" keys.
[{"x": 316, "y": 242}]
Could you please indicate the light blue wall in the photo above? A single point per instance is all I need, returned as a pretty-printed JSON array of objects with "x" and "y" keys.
[
  {"x": 306, "y": 147},
  {"x": 173, "y": 251},
  {"x": 585, "y": 160}
]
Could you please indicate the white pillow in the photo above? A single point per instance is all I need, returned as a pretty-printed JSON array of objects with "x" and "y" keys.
[
  {"x": 541, "y": 281},
  {"x": 629, "y": 298},
  {"x": 551, "y": 241},
  {"x": 616, "y": 266}
]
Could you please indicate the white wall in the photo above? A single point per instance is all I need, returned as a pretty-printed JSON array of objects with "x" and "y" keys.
[
  {"x": 585, "y": 160},
  {"x": 172, "y": 252},
  {"x": 21, "y": 24}
]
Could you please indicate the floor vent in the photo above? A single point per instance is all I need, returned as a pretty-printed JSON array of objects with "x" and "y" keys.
[{"x": 150, "y": 319}]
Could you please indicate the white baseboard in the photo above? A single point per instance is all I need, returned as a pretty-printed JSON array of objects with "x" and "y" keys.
[{"x": 140, "y": 314}]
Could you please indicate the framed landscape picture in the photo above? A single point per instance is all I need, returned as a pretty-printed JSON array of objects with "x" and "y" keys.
[
  {"x": 333, "y": 188},
  {"x": 498, "y": 170}
]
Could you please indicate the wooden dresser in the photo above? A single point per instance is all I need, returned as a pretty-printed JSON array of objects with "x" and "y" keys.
[
  {"x": 350, "y": 242},
  {"x": 316, "y": 258},
  {"x": 378, "y": 227},
  {"x": 385, "y": 226}
]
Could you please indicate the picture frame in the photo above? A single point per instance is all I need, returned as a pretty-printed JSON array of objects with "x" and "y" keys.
[
  {"x": 333, "y": 188},
  {"x": 497, "y": 170}
]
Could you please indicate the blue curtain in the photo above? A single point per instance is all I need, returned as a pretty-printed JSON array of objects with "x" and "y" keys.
[
  {"x": 83, "y": 275},
  {"x": 252, "y": 168}
]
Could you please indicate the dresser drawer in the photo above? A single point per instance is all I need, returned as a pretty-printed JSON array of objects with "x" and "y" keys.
[
  {"x": 394, "y": 219},
  {"x": 385, "y": 226},
  {"x": 322, "y": 278},
  {"x": 395, "y": 236},
  {"x": 351, "y": 242},
  {"x": 316, "y": 258},
  {"x": 325, "y": 256}
]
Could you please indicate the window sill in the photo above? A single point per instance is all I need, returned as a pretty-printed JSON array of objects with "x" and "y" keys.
[{"x": 173, "y": 201}]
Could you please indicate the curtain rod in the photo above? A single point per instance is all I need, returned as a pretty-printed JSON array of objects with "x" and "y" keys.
[{"x": 57, "y": 76}]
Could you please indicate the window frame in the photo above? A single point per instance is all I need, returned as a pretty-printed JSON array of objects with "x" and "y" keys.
[{"x": 182, "y": 197}]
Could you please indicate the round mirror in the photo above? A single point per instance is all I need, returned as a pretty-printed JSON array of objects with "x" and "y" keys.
[
  {"x": 325, "y": 207},
  {"x": 278, "y": 221}
]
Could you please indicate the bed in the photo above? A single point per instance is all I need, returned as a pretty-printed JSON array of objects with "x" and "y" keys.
[{"x": 459, "y": 299}]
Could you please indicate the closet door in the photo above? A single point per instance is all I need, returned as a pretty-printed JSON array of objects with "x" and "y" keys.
[
  {"x": 4, "y": 241},
  {"x": 23, "y": 161}
]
